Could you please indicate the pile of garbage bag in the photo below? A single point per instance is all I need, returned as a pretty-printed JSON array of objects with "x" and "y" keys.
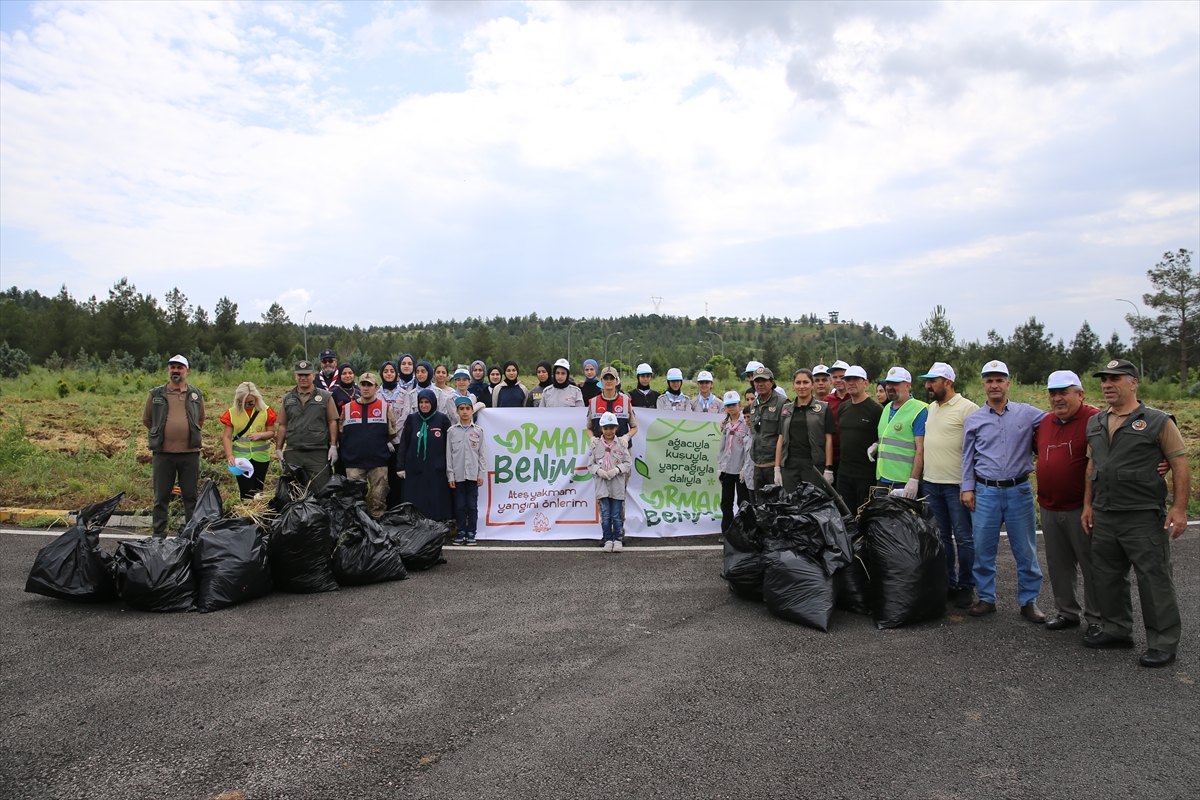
[
  {"x": 799, "y": 555},
  {"x": 311, "y": 543}
]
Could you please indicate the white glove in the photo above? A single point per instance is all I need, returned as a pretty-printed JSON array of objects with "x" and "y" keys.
[
  {"x": 910, "y": 488},
  {"x": 391, "y": 447},
  {"x": 778, "y": 476},
  {"x": 279, "y": 455},
  {"x": 624, "y": 440},
  {"x": 872, "y": 450},
  {"x": 828, "y": 476},
  {"x": 332, "y": 454},
  {"x": 400, "y": 474}
]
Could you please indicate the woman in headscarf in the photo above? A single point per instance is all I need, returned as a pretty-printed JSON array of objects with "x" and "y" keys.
[
  {"x": 590, "y": 385},
  {"x": 511, "y": 393},
  {"x": 249, "y": 428},
  {"x": 421, "y": 455},
  {"x": 562, "y": 391},
  {"x": 495, "y": 378},
  {"x": 396, "y": 396},
  {"x": 479, "y": 384},
  {"x": 544, "y": 380},
  {"x": 344, "y": 388},
  {"x": 405, "y": 367}
]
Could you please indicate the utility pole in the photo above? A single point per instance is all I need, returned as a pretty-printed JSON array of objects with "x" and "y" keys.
[
  {"x": 833, "y": 320},
  {"x": 305, "y": 325},
  {"x": 606, "y": 338}
]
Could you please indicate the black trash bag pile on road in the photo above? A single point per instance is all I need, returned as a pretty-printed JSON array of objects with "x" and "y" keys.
[
  {"x": 906, "y": 561},
  {"x": 785, "y": 550},
  {"x": 73, "y": 567},
  {"x": 155, "y": 573},
  {"x": 418, "y": 539},
  {"x": 231, "y": 564},
  {"x": 852, "y": 583},
  {"x": 362, "y": 551},
  {"x": 299, "y": 548}
]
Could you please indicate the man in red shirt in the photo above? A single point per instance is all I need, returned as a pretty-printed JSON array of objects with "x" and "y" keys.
[
  {"x": 837, "y": 374},
  {"x": 1061, "y": 441}
]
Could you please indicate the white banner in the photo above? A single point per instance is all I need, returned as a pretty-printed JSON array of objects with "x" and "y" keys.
[{"x": 538, "y": 486}]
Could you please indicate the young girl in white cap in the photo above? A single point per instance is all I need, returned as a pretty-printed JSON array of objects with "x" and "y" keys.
[
  {"x": 609, "y": 462},
  {"x": 734, "y": 465}
]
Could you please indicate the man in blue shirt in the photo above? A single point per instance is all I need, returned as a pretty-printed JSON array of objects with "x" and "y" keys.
[{"x": 996, "y": 461}]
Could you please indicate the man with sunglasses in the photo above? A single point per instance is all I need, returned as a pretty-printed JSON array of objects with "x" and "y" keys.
[{"x": 329, "y": 371}]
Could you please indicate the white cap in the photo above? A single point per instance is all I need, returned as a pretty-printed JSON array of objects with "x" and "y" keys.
[
  {"x": 839, "y": 365},
  {"x": 732, "y": 398},
  {"x": 994, "y": 366},
  {"x": 644, "y": 369},
  {"x": 608, "y": 418},
  {"x": 177, "y": 359},
  {"x": 704, "y": 375},
  {"x": 1063, "y": 378},
  {"x": 562, "y": 362},
  {"x": 855, "y": 372},
  {"x": 751, "y": 366},
  {"x": 940, "y": 369},
  {"x": 898, "y": 375},
  {"x": 674, "y": 374},
  {"x": 820, "y": 369},
  {"x": 462, "y": 372}
]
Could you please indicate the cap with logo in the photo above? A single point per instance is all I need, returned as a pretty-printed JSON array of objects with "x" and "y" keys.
[
  {"x": 703, "y": 375},
  {"x": 328, "y": 354},
  {"x": 609, "y": 372},
  {"x": 674, "y": 374},
  {"x": 644, "y": 369},
  {"x": 462, "y": 372},
  {"x": 855, "y": 372},
  {"x": 732, "y": 398},
  {"x": 820, "y": 369},
  {"x": 763, "y": 373},
  {"x": 898, "y": 375},
  {"x": 368, "y": 377},
  {"x": 838, "y": 365},
  {"x": 751, "y": 366},
  {"x": 303, "y": 367},
  {"x": 995, "y": 368},
  {"x": 562, "y": 362},
  {"x": 462, "y": 400},
  {"x": 608, "y": 418},
  {"x": 177, "y": 359},
  {"x": 940, "y": 369},
  {"x": 1063, "y": 378},
  {"x": 1118, "y": 366}
]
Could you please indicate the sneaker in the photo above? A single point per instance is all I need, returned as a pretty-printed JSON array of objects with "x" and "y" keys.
[
  {"x": 617, "y": 546},
  {"x": 460, "y": 539},
  {"x": 608, "y": 546},
  {"x": 470, "y": 540}
]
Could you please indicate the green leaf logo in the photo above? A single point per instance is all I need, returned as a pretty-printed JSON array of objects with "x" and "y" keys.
[{"x": 641, "y": 467}]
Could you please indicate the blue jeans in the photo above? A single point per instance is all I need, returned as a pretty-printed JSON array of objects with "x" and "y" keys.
[
  {"x": 1012, "y": 505},
  {"x": 954, "y": 523},
  {"x": 466, "y": 505},
  {"x": 612, "y": 522}
]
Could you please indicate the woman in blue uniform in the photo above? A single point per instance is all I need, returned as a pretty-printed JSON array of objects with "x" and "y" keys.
[{"x": 422, "y": 455}]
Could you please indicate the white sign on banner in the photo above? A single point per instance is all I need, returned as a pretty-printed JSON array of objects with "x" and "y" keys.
[{"x": 538, "y": 485}]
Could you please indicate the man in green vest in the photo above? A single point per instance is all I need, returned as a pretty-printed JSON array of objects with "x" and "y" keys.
[
  {"x": 900, "y": 452},
  {"x": 1124, "y": 510},
  {"x": 765, "y": 417},
  {"x": 174, "y": 415},
  {"x": 308, "y": 426}
]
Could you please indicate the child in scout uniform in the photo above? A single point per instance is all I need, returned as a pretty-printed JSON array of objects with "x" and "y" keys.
[
  {"x": 466, "y": 469},
  {"x": 674, "y": 399},
  {"x": 734, "y": 466},
  {"x": 609, "y": 463},
  {"x": 706, "y": 402},
  {"x": 462, "y": 384}
]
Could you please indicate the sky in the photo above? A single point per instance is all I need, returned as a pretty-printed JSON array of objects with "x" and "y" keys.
[{"x": 386, "y": 163}]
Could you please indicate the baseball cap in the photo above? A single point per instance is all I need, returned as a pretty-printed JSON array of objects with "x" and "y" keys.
[
  {"x": 562, "y": 362},
  {"x": 820, "y": 369},
  {"x": 995, "y": 367},
  {"x": 462, "y": 372},
  {"x": 838, "y": 365},
  {"x": 1118, "y": 366},
  {"x": 703, "y": 375},
  {"x": 644, "y": 369},
  {"x": 369, "y": 377},
  {"x": 763, "y": 372},
  {"x": 303, "y": 367},
  {"x": 940, "y": 369},
  {"x": 608, "y": 418},
  {"x": 751, "y": 366},
  {"x": 462, "y": 400},
  {"x": 1061, "y": 379},
  {"x": 732, "y": 398},
  {"x": 177, "y": 359},
  {"x": 609, "y": 372},
  {"x": 328, "y": 354},
  {"x": 898, "y": 375},
  {"x": 855, "y": 372},
  {"x": 674, "y": 374}
]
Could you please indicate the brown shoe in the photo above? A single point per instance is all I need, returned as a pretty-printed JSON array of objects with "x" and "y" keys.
[
  {"x": 982, "y": 608},
  {"x": 1031, "y": 612}
]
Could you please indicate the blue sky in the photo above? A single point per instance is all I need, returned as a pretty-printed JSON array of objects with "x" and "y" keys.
[{"x": 386, "y": 163}]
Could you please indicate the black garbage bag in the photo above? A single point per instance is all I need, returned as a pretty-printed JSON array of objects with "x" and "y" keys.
[
  {"x": 796, "y": 587},
  {"x": 743, "y": 530},
  {"x": 852, "y": 583},
  {"x": 231, "y": 564},
  {"x": 208, "y": 510},
  {"x": 367, "y": 555},
  {"x": 73, "y": 567},
  {"x": 418, "y": 538},
  {"x": 299, "y": 549},
  {"x": 806, "y": 521},
  {"x": 155, "y": 573},
  {"x": 905, "y": 559},
  {"x": 345, "y": 502},
  {"x": 291, "y": 486},
  {"x": 743, "y": 572}
]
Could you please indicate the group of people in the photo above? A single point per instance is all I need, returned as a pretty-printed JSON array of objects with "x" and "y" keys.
[{"x": 413, "y": 437}]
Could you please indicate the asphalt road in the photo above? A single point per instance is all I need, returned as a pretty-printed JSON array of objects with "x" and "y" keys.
[{"x": 572, "y": 674}]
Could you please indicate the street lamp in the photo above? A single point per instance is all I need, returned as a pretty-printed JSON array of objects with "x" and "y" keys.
[
  {"x": 1141, "y": 354},
  {"x": 722, "y": 338},
  {"x": 711, "y": 352},
  {"x": 621, "y": 353},
  {"x": 569, "y": 329},
  {"x": 606, "y": 338},
  {"x": 305, "y": 324}
]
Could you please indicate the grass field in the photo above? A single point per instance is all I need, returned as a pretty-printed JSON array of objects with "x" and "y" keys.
[{"x": 72, "y": 438}]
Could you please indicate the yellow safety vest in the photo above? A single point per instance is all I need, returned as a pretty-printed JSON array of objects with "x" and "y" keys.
[
  {"x": 897, "y": 443},
  {"x": 244, "y": 448}
]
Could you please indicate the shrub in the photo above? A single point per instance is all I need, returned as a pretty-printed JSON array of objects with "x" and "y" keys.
[
  {"x": 152, "y": 363},
  {"x": 14, "y": 361},
  {"x": 54, "y": 363},
  {"x": 199, "y": 361},
  {"x": 272, "y": 363}
]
